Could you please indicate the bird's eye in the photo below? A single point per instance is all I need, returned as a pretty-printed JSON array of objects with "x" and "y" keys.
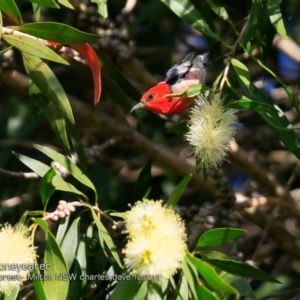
[{"x": 150, "y": 97}]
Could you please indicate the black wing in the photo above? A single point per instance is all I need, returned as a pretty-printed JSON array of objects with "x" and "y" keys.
[{"x": 180, "y": 70}]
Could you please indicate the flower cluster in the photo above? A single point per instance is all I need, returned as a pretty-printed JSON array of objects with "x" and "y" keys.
[
  {"x": 210, "y": 130},
  {"x": 156, "y": 245},
  {"x": 16, "y": 250}
]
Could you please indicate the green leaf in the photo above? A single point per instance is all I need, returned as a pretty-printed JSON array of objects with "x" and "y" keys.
[
  {"x": 274, "y": 12},
  {"x": 106, "y": 240},
  {"x": 211, "y": 276},
  {"x": 38, "y": 285},
  {"x": 47, "y": 3},
  {"x": 62, "y": 229},
  {"x": 275, "y": 116},
  {"x": 205, "y": 293},
  {"x": 77, "y": 144},
  {"x": 10, "y": 9},
  {"x": 126, "y": 289},
  {"x": 68, "y": 164},
  {"x": 246, "y": 103},
  {"x": 37, "y": 97},
  {"x": 116, "y": 93},
  {"x": 219, "y": 236},
  {"x": 221, "y": 12},
  {"x": 46, "y": 186},
  {"x": 58, "y": 123},
  {"x": 36, "y": 166},
  {"x": 61, "y": 185},
  {"x": 286, "y": 88},
  {"x": 191, "y": 276},
  {"x": 57, "y": 32},
  {"x": 33, "y": 47},
  {"x": 188, "y": 12},
  {"x": 110, "y": 70},
  {"x": 36, "y": 11},
  {"x": 192, "y": 91},
  {"x": 176, "y": 194},
  {"x": 80, "y": 266},
  {"x": 142, "y": 186},
  {"x": 1, "y": 25},
  {"x": 223, "y": 262},
  {"x": 12, "y": 295},
  {"x": 46, "y": 81},
  {"x": 56, "y": 265},
  {"x": 66, "y": 3},
  {"x": 70, "y": 243},
  {"x": 240, "y": 284},
  {"x": 257, "y": 15},
  {"x": 102, "y": 7},
  {"x": 41, "y": 169}
]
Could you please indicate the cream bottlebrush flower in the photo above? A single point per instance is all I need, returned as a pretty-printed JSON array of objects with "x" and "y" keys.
[
  {"x": 16, "y": 250},
  {"x": 210, "y": 129},
  {"x": 156, "y": 245}
]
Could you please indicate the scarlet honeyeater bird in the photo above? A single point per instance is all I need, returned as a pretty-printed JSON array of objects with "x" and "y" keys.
[{"x": 190, "y": 70}]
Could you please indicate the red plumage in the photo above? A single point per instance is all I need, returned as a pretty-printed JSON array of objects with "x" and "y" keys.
[{"x": 190, "y": 70}]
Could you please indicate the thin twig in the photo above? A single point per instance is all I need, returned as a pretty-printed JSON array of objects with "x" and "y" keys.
[
  {"x": 28, "y": 175},
  {"x": 243, "y": 31}
]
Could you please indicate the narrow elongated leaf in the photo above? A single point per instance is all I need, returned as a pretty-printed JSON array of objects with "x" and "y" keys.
[
  {"x": 106, "y": 240},
  {"x": 188, "y": 12},
  {"x": 41, "y": 169},
  {"x": 62, "y": 229},
  {"x": 240, "y": 284},
  {"x": 56, "y": 265},
  {"x": 126, "y": 289},
  {"x": 10, "y": 9},
  {"x": 116, "y": 93},
  {"x": 80, "y": 268},
  {"x": 92, "y": 59},
  {"x": 286, "y": 88},
  {"x": 246, "y": 103},
  {"x": 190, "y": 276},
  {"x": 110, "y": 70},
  {"x": 66, "y": 3},
  {"x": 54, "y": 115},
  {"x": 223, "y": 262},
  {"x": 12, "y": 295},
  {"x": 102, "y": 7},
  {"x": 46, "y": 186},
  {"x": 47, "y": 3},
  {"x": 36, "y": 10},
  {"x": 219, "y": 236},
  {"x": 75, "y": 138},
  {"x": 274, "y": 12},
  {"x": 46, "y": 81},
  {"x": 192, "y": 91},
  {"x": 211, "y": 276},
  {"x": 57, "y": 32},
  {"x": 256, "y": 15},
  {"x": 68, "y": 164},
  {"x": 38, "y": 285},
  {"x": 275, "y": 116},
  {"x": 33, "y": 47},
  {"x": 205, "y": 293},
  {"x": 58, "y": 124},
  {"x": 142, "y": 186},
  {"x": 70, "y": 243},
  {"x": 64, "y": 186},
  {"x": 36, "y": 166},
  {"x": 220, "y": 11},
  {"x": 176, "y": 194},
  {"x": 241, "y": 269},
  {"x": 1, "y": 24}
]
